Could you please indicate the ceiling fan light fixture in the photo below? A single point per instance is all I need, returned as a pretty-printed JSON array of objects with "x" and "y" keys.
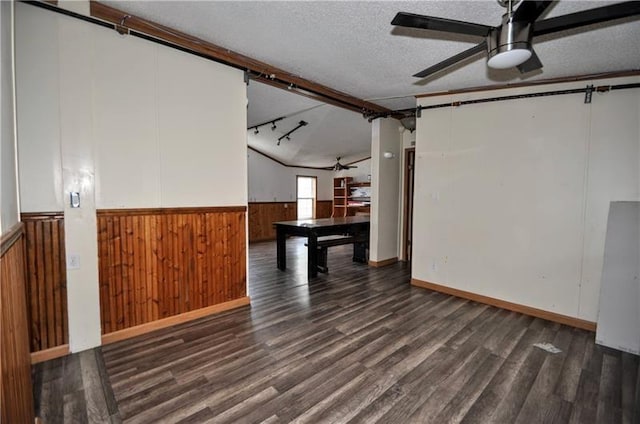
[
  {"x": 509, "y": 58},
  {"x": 409, "y": 122},
  {"x": 510, "y": 44}
]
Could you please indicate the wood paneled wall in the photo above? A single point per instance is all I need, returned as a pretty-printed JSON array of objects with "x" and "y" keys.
[
  {"x": 262, "y": 215},
  {"x": 46, "y": 279},
  {"x": 16, "y": 403},
  {"x": 324, "y": 208},
  {"x": 157, "y": 263}
]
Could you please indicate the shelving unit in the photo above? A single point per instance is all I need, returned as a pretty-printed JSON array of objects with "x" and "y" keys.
[
  {"x": 346, "y": 204},
  {"x": 340, "y": 194}
]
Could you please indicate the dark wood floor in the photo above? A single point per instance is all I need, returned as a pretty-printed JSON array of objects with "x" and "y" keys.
[
  {"x": 358, "y": 345},
  {"x": 74, "y": 389}
]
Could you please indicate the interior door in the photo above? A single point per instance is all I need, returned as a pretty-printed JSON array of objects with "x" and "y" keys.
[{"x": 409, "y": 170}]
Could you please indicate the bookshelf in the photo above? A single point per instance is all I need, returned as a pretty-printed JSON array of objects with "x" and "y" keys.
[{"x": 350, "y": 198}]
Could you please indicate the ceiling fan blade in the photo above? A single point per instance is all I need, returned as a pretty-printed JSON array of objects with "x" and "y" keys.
[
  {"x": 452, "y": 60},
  {"x": 529, "y": 11},
  {"x": 531, "y": 64},
  {"x": 412, "y": 20},
  {"x": 587, "y": 17}
]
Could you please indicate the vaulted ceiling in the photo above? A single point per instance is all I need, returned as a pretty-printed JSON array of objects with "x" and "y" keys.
[{"x": 351, "y": 46}]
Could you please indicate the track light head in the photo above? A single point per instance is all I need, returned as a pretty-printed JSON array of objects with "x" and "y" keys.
[
  {"x": 256, "y": 131},
  {"x": 273, "y": 126}
]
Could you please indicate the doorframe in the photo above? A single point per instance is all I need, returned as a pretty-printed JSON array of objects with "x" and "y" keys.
[{"x": 406, "y": 213}]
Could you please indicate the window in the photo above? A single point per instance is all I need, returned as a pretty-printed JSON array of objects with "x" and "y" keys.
[{"x": 306, "y": 197}]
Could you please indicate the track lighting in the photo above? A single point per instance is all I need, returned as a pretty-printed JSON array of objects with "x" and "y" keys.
[
  {"x": 255, "y": 128},
  {"x": 272, "y": 122},
  {"x": 300, "y": 125}
]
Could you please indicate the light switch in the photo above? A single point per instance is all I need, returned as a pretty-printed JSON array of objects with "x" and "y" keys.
[{"x": 75, "y": 199}]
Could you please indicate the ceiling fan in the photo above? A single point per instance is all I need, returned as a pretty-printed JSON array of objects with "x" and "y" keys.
[
  {"x": 509, "y": 44},
  {"x": 338, "y": 166}
]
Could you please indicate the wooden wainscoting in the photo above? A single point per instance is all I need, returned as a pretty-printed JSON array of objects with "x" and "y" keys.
[
  {"x": 15, "y": 373},
  {"x": 157, "y": 263},
  {"x": 324, "y": 208},
  {"x": 262, "y": 215},
  {"x": 46, "y": 280}
]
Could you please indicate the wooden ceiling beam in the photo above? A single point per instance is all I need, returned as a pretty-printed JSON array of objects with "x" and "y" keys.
[{"x": 258, "y": 70}]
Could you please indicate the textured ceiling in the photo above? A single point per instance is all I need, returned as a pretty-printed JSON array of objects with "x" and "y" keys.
[{"x": 351, "y": 46}]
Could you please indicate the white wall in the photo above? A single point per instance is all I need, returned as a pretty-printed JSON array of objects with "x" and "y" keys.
[
  {"x": 271, "y": 182},
  {"x": 76, "y": 64},
  {"x": 9, "y": 212},
  {"x": 511, "y": 197},
  {"x": 172, "y": 132},
  {"x": 385, "y": 194},
  {"x": 128, "y": 124},
  {"x": 39, "y": 102}
]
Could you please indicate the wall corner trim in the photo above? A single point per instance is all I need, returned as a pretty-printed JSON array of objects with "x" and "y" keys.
[
  {"x": 515, "y": 307},
  {"x": 173, "y": 320}
]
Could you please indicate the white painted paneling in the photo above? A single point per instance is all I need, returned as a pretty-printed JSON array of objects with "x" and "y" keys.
[
  {"x": 613, "y": 175},
  {"x": 38, "y": 102},
  {"x": 508, "y": 194},
  {"x": 385, "y": 194},
  {"x": 201, "y": 128},
  {"x": 271, "y": 182},
  {"x": 9, "y": 199},
  {"x": 78, "y": 174},
  {"x": 125, "y": 122}
]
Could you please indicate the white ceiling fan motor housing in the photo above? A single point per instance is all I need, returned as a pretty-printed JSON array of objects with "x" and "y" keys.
[{"x": 509, "y": 45}]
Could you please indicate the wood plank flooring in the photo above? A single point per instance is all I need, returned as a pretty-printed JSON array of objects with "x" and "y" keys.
[
  {"x": 357, "y": 345},
  {"x": 74, "y": 389}
]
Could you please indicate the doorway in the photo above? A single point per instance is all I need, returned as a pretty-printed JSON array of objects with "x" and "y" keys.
[{"x": 409, "y": 172}]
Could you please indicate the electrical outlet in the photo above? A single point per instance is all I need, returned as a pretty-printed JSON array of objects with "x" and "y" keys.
[
  {"x": 434, "y": 266},
  {"x": 286, "y": 205},
  {"x": 73, "y": 261}
]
